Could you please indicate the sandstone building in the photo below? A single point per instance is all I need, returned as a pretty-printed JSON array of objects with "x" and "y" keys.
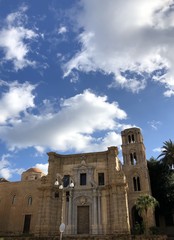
[{"x": 91, "y": 193}]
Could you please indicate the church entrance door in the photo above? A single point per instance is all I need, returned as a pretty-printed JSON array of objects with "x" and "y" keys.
[{"x": 83, "y": 220}]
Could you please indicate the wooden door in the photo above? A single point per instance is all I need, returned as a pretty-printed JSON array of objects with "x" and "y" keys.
[{"x": 83, "y": 220}]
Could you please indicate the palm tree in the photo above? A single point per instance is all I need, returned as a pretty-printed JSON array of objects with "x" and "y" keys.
[
  {"x": 167, "y": 155},
  {"x": 143, "y": 204}
]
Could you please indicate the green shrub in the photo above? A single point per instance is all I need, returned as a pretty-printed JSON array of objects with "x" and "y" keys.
[
  {"x": 138, "y": 229},
  {"x": 154, "y": 230}
]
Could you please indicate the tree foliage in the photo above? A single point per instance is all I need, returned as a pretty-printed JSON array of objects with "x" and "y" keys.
[
  {"x": 162, "y": 184},
  {"x": 167, "y": 155},
  {"x": 143, "y": 204}
]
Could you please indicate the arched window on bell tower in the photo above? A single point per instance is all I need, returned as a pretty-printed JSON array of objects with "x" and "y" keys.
[
  {"x": 133, "y": 158},
  {"x": 131, "y": 138},
  {"x": 136, "y": 183}
]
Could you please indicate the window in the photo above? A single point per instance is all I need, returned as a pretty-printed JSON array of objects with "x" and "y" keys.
[
  {"x": 101, "y": 179},
  {"x": 56, "y": 194},
  {"x": 136, "y": 183},
  {"x": 131, "y": 138},
  {"x": 66, "y": 180},
  {"x": 14, "y": 199},
  {"x": 133, "y": 158},
  {"x": 29, "y": 201},
  {"x": 67, "y": 196},
  {"x": 83, "y": 179}
]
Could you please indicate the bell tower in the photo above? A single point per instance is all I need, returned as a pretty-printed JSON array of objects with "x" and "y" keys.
[
  {"x": 134, "y": 161},
  {"x": 133, "y": 147},
  {"x": 135, "y": 166}
]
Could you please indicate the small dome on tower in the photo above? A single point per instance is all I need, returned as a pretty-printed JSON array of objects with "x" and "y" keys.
[
  {"x": 36, "y": 170},
  {"x": 32, "y": 174}
]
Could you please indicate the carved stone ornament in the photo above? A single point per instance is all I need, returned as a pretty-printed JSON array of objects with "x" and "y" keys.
[{"x": 83, "y": 200}]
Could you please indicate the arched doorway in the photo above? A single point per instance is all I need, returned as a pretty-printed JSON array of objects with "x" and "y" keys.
[{"x": 136, "y": 221}]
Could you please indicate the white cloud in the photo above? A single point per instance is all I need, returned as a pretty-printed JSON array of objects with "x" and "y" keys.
[
  {"x": 42, "y": 167},
  {"x": 154, "y": 124},
  {"x": 73, "y": 127},
  {"x": 40, "y": 149},
  {"x": 62, "y": 30},
  {"x": 18, "y": 98},
  {"x": 111, "y": 139},
  {"x": 5, "y": 173},
  {"x": 130, "y": 39},
  {"x": 4, "y": 162},
  {"x": 13, "y": 37},
  {"x": 158, "y": 150},
  {"x": 6, "y": 170}
]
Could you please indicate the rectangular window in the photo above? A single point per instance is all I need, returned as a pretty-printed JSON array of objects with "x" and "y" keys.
[
  {"x": 56, "y": 194},
  {"x": 83, "y": 179},
  {"x": 101, "y": 179},
  {"x": 66, "y": 180}
]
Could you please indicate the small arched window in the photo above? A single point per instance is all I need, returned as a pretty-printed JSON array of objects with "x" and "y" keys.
[
  {"x": 133, "y": 158},
  {"x": 29, "y": 201},
  {"x": 136, "y": 183},
  {"x": 131, "y": 138},
  {"x": 14, "y": 199}
]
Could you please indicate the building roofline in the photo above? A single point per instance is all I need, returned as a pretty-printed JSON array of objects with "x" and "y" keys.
[{"x": 80, "y": 154}]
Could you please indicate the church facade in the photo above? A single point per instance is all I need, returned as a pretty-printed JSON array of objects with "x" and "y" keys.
[{"x": 90, "y": 193}]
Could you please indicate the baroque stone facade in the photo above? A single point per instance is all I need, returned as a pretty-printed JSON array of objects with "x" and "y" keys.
[{"x": 91, "y": 193}]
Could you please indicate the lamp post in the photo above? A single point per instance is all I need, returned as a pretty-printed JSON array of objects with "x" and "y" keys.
[{"x": 61, "y": 187}]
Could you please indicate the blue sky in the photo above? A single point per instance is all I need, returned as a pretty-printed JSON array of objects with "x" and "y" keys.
[{"x": 74, "y": 74}]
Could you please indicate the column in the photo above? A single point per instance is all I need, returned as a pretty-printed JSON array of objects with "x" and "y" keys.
[
  {"x": 69, "y": 213},
  {"x": 94, "y": 227},
  {"x": 99, "y": 213}
]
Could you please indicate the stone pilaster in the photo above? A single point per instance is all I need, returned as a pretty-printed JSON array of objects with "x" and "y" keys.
[{"x": 94, "y": 213}]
